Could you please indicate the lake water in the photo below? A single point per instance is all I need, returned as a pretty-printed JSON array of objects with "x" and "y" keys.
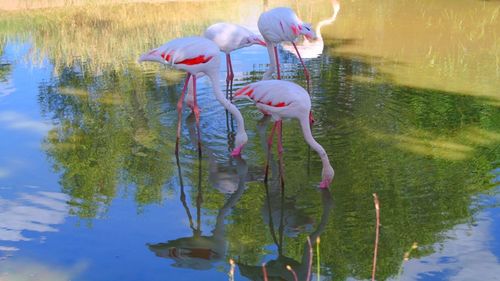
[{"x": 406, "y": 100}]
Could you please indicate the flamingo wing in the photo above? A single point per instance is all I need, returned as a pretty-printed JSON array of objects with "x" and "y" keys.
[
  {"x": 228, "y": 36},
  {"x": 274, "y": 93}
]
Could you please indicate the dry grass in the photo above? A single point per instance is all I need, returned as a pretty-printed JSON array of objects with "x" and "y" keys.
[{"x": 106, "y": 36}]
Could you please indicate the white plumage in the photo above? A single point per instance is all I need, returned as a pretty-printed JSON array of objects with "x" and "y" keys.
[{"x": 231, "y": 37}]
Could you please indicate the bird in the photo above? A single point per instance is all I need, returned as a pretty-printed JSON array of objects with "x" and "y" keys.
[
  {"x": 229, "y": 37},
  {"x": 197, "y": 55},
  {"x": 282, "y": 100},
  {"x": 283, "y": 25},
  {"x": 310, "y": 49}
]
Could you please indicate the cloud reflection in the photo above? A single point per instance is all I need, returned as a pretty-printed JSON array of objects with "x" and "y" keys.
[
  {"x": 37, "y": 212},
  {"x": 462, "y": 257},
  {"x": 17, "y": 121}
]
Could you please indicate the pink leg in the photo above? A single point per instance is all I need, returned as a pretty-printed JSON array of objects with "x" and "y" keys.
[
  {"x": 231, "y": 76},
  {"x": 277, "y": 62},
  {"x": 269, "y": 146},
  {"x": 179, "y": 113},
  {"x": 306, "y": 72},
  {"x": 280, "y": 136},
  {"x": 227, "y": 76},
  {"x": 231, "y": 79},
  {"x": 308, "y": 80},
  {"x": 196, "y": 111}
]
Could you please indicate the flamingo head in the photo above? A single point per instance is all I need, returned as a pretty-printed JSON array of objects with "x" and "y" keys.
[
  {"x": 254, "y": 40},
  {"x": 307, "y": 30},
  {"x": 240, "y": 140},
  {"x": 327, "y": 177}
]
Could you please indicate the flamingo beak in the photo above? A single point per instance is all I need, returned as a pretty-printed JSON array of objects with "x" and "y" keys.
[{"x": 262, "y": 43}]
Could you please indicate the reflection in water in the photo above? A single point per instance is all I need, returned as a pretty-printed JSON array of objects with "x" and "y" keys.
[
  {"x": 277, "y": 268},
  {"x": 310, "y": 49},
  {"x": 198, "y": 251},
  {"x": 30, "y": 212}
]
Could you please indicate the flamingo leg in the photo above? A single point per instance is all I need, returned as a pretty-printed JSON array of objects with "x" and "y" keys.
[
  {"x": 196, "y": 111},
  {"x": 228, "y": 79},
  {"x": 179, "y": 113},
  {"x": 308, "y": 79},
  {"x": 227, "y": 89},
  {"x": 280, "y": 153},
  {"x": 231, "y": 79},
  {"x": 269, "y": 146},
  {"x": 306, "y": 72},
  {"x": 280, "y": 137},
  {"x": 231, "y": 76},
  {"x": 276, "y": 58}
]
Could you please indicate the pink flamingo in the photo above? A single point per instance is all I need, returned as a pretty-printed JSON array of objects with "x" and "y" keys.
[
  {"x": 283, "y": 99},
  {"x": 229, "y": 37},
  {"x": 197, "y": 56},
  {"x": 282, "y": 25},
  {"x": 313, "y": 49}
]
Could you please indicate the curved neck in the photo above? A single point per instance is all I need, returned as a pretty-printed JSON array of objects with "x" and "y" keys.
[
  {"x": 306, "y": 130},
  {"x": 336, "y": 8},
  {"x": 214, "y": 77}
]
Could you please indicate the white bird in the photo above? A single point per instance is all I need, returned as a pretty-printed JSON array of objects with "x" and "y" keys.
[
  {"x": 310, "y": 49},
  {"x": 197, "y": 55},
  {"x": 282, "y": 25},
  {"x": 283, "y": 99},
  {"x": 229, "y": 37}
]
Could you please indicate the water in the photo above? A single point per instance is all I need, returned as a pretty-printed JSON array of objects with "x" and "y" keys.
[{"x": 90, "y": 188}]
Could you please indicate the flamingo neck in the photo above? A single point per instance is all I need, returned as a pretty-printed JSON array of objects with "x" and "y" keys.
[
  {"x": 214, "y": 78},
  {"x": 306, "y": 131},
  {"x": 336, "y": 8}
]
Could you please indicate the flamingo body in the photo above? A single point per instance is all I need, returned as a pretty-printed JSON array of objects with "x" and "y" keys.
[
  {"x": 282, "y": 24},
  {"x": 283, "y": 99},
  {"x": 191, "y": 54},
  {"x": 231, "y": 37}
]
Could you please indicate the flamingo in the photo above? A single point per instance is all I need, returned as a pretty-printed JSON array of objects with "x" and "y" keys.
[
  {"x": 283, "y": 99},
  {"x": 197, "y": 56},
  {"x": 310, "y": 49},
  {"x": 229, "y": 37},
  {"x": 283, "y": 25}
]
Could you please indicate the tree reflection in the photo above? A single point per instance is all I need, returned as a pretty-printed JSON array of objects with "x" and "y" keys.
[{"x": 109, "y": 132}]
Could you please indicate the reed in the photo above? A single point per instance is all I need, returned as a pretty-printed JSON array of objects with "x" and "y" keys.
[{"x": 377, "y": 228}]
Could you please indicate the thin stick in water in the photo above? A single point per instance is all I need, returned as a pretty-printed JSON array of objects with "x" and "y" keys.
[
  {"x": 309, "y": 267},
  {"x": 377, "y": 226},
  {"x": 231, "y": 270},
  {"x": 264, "y": 271},
  {"x": 317, "y": 257},
  {"x": 289, "y": 268}
]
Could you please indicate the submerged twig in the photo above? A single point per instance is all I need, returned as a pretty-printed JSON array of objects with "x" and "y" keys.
[
  {"x": 309, "y": 267},
  {"x": 264, "y": 271},
  {"x": 317, "y": 257},
  {"x": 231, "y": 270},
  {"x": 289, "y": 268},
  {"x": 377, "y": 226}
]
